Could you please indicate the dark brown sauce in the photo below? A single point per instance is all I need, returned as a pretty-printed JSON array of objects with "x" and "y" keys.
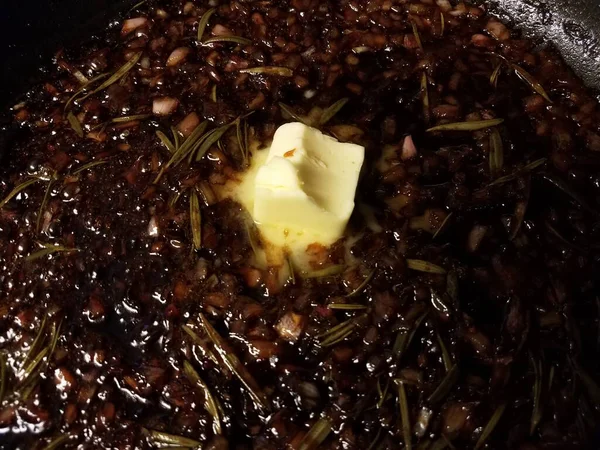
[{"x": 513, "y": 298}]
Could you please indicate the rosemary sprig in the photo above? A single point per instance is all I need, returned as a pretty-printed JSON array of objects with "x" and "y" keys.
[
  {"x": 528, "y": 168},
  {"x": 291, "y": 269},
  {"x": 75, "y": 124},
  {"x": 228, "y": 39},
  {"x": 568, "y": 190},
  {"x": 347, "y": 306},
  {"x": 536, "y": 414},
  {"x": 166, "y": 141},
  {"x": 452, "y": 286},
  {"x": 89, "y": 166},
  {"x": 124, "y": 119},
  {"x": 424, "y": 266},
  {"x": 166, "y": 440},
  {"x": 57, "y": 442},
  {"x": 472, "y": 125},
  {"x": 200, "y": 343},
  {"x": 19, "y": 188},
  {"x": 82, "y": 88},
  {"x": 496, "y": 156},
  {"x": 362, "y": 285},
  {"x": 3, "y": 377},
  {"x": 136, "y": 6},
  {"x": 29, "y": 372},
  {"x": 288, "y": 110},
  {"x": 518, "y": 217},
  {"x": 564, "y": 240},
  {"x": 416, "y": 34},
  {"x": 316, "y": 435},
  {"x": 204, "y": 22},
  {"x": 49, "y": 249},
  {"x": 404, "y": 416},
  {"x": 212, "y": 138},
  {"x": 176, "y": 137},
  {"x": 269, "y": 70},
  {"x": 332, "y": 110},
  {"x": 38, "y": 221},
  {"x": 186, "y": 149},
  {"x": 445, "y": 386},
  {"x": 250, "y": 232},
  {"x": 496, "y": 74},
  {"x": 29, "y": 375},
  {"x": 233, "y": 363},
  {"x": 376, "y": 439},
  {"x": 489, "y": 428},
  {"x": 405, "y": 337},
  {"x": 246, "y": 138},
  {"x": 196, "y": 220},
  {"x": 210, "y": 403},
  {"x": 446, "y": 358},
  {"x": 175, "y": 198},
  {"x": 339, "y": 332},
  {"x": 37, "y": 342},
  {"x": 401, "y": 343},
  {"x": 443, "y": 226},
  {"x": 55, "y": 335},
  {"x": 239, "y": 132},
  {"x": 529, "y": 80},
  {"x": 115, "y": 77},
  {"x": 330, "y": 271},
  {"x": 425, "y": 96}
]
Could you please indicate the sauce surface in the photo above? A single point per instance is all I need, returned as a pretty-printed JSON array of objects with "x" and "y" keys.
[{"x": 461, "y": 309}]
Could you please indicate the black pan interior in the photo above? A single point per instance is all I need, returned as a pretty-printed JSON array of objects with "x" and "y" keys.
[{"x": 572, "y": 25}]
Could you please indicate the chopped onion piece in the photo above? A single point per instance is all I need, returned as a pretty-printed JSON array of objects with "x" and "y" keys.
[
  {"x": 164, "y": 106},
  {"x": 409, "y": 150},
  {"x": 132, "y": 24},
  {"x": 220, "y": 30},
  {"x": 177, "y": 56},
  {"x": 188, "y": 124}
]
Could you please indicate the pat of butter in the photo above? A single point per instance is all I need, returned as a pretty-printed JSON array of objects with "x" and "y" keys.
[{"x": 307, "y": 183}]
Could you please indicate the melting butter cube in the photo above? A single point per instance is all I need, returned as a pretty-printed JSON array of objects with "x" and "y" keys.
[{"x": 307, "y": 183}]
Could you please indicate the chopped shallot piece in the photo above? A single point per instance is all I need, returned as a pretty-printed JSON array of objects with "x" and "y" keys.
[
  {"x": 408, "y": 148},
  {"x": 153, "y": 227},
  {"x": 444, "y": 5},
  {"x": 220, "y": 30},
  {"x": 177, "y": 56},
  {"x": 498, "y": 30},
  {"x": 475, "y": 237},
  {"x": 163, "y": 106},
  {"x": 290, "y": 326},
  {"x": 132, "y": 24},
  {"x": 455, "y": 417},
  {"x": 188, "y": 124},
  {"x": 481, "y": 40},
  {"x": 98, "y": 136}
]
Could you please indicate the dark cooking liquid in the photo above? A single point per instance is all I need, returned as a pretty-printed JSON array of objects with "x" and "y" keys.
[{"x": 498, "y": 348}]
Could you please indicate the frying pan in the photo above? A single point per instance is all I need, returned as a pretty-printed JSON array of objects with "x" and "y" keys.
[{"x": 30, "y": 33}]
